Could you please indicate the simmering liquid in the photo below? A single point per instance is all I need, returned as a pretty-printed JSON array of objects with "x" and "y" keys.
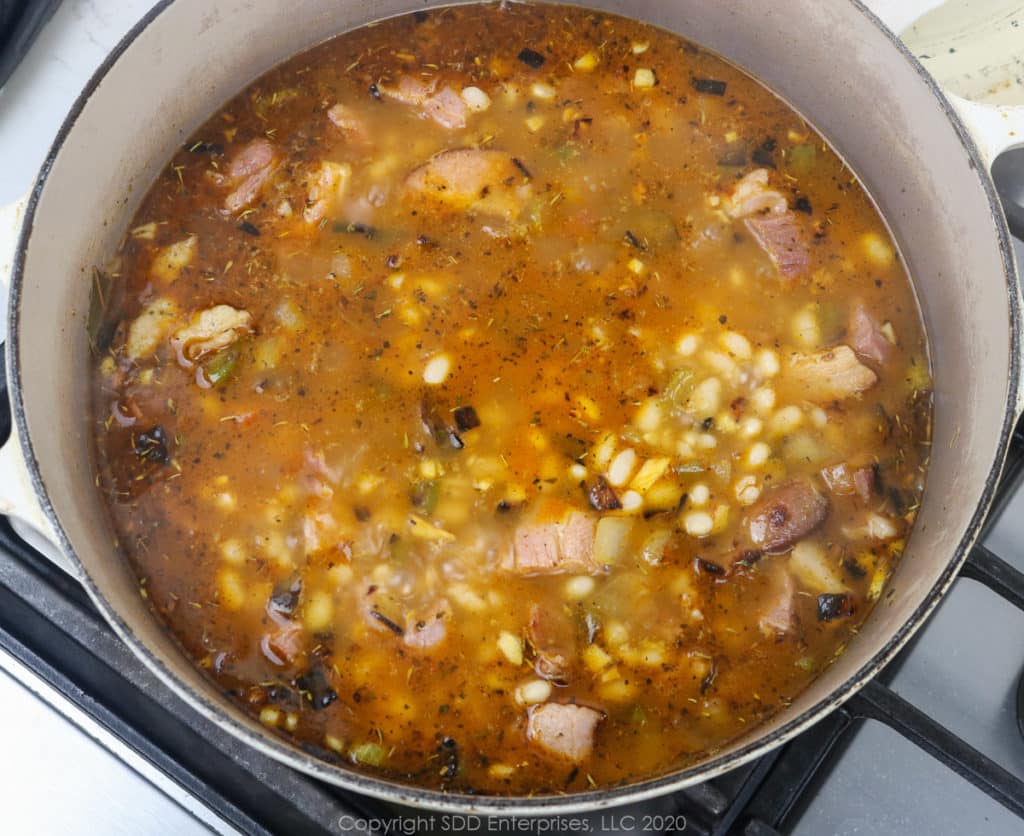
[{"x": 514, "y": 414}]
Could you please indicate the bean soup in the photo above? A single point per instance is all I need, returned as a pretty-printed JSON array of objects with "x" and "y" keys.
[{"x": 517, "y": 414}]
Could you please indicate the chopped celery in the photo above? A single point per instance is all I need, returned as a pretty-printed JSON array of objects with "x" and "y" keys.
[
  {"x": 368, "y": 754},
  {"x": 802, "y": 158},
  {"x": 680, "y": 386}
]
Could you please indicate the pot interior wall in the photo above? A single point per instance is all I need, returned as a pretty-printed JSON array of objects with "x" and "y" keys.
[{"x": 836, "y": 67}]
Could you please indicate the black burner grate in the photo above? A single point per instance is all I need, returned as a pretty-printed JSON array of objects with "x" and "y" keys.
[
  {"x": 20, "y": 23},
  {"x": 48, "y": 623}
]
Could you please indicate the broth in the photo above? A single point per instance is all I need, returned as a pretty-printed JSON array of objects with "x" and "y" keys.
[{"x": 515, "y": 415}]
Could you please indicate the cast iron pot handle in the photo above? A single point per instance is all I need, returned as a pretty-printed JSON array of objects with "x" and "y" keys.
[{"x": 17, "y": 496}]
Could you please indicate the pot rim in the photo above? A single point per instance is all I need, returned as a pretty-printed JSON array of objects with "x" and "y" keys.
[{"x": 493, "y": 804}]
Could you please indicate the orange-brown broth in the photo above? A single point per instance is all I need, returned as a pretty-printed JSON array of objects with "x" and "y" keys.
[{"x": 568, "y": 322}]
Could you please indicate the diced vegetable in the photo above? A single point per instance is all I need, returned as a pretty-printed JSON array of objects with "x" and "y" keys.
[
  {"x": 170, "y": 261},
  {"x": 653, "y": 549},
  {"x": 368, "y": 754},
  {"x": 801, "y": 159},
  {"x": 809, "y": 563},
  {"x": 151, "y": 327},
  {"x": 611, "y": 539},
  {"x": 221, "y": 366},
  {"x": 680, "y": 386}
]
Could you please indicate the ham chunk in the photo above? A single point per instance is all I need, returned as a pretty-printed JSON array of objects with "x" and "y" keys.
[
  {"x": 552, "y": 635},
  {"x": 787, "y": 514},
  {"x": 249, "y": 172},
  {"x": 564, "y": 729},
  {"x": 329, "y": 185},
  {"x": 783, "y": 238},
  {"x": 447, "y": 108},
  {"x": 867, "y": 337},
  {"x": 865, "y": 482},
  {"x": 846, "y": 480},
  {"x": 284, "y": 643},
  {"x": 346, "y": 120},
  {"x": 829, "y": 375},
  {"x": 484, "y": 181},
  {"x": 427, "y": 631},
  {"x": 443, "y": 106},
  {"x": 752, "y": 196},
  {"x": 561, "y": 545},
  {"x": 776, "y": 229},
  {"x": 209, "y": 331}
]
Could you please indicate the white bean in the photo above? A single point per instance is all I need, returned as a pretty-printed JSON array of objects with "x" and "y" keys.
[
  {"x": 758, "y": 454},
  {"x": 476, "y": 99},
  {"x": 579, "y": 587},
  {"x": 698, "y": 523},
  {"x": 621, "y": 468},
  {"x": 437, "y": 369},
  {"x": 533, "y": 692},
  {"x": 699, "y": 494},
  {"x": 736, "y": 344}
]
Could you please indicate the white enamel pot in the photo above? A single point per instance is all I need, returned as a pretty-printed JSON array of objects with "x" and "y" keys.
[{"x": 924, "y": 160}]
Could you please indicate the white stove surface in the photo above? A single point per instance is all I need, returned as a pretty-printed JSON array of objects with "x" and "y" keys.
[{"x": 963, "y": 671}]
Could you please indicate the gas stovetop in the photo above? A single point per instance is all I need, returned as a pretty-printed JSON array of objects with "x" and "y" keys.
[{"x": 94, "y": 743}]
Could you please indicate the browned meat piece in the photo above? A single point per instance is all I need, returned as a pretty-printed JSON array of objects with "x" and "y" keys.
[
  {"x": 248, "y": 172},
  {"x": 835, "y": 605},
  {"x": 251, "y": 159},
  {"x": 210, "y": 331},
  {"x": 546, "y": 545},
  {"x": 428, "y": 631},
  {"x": 577, "y": 541},
  {"x": 865, "y": 480},
  {"x": 829, "y": 375},
  {"x": 444, "y": 106},
  {"x": 564, "y": 729},
  {"x": 602, "y": 496},
  {"x": 282, "y": 644},
  {"x": 329, "y": 186},
  {"x": 441, "y": 421},
  {"x": 845, "y": 480},
  {"x": 468, "y": 178},
  {"x": 536, "y": 547},
  {"x": 783, "y": 238},
  {"x": 552, "y": 635},
  {"x": 752, "y": 196},
  {"x": 777, "y": 615},
  {"x": 351, "y": 125},
  {"x": 867, "y": 338},
  {"x": 786, "y": 514},
  {"x": 447, "y": 109}
]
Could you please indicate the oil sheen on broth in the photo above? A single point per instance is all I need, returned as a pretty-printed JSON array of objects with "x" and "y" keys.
[{"x": 517, "y": 415}]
